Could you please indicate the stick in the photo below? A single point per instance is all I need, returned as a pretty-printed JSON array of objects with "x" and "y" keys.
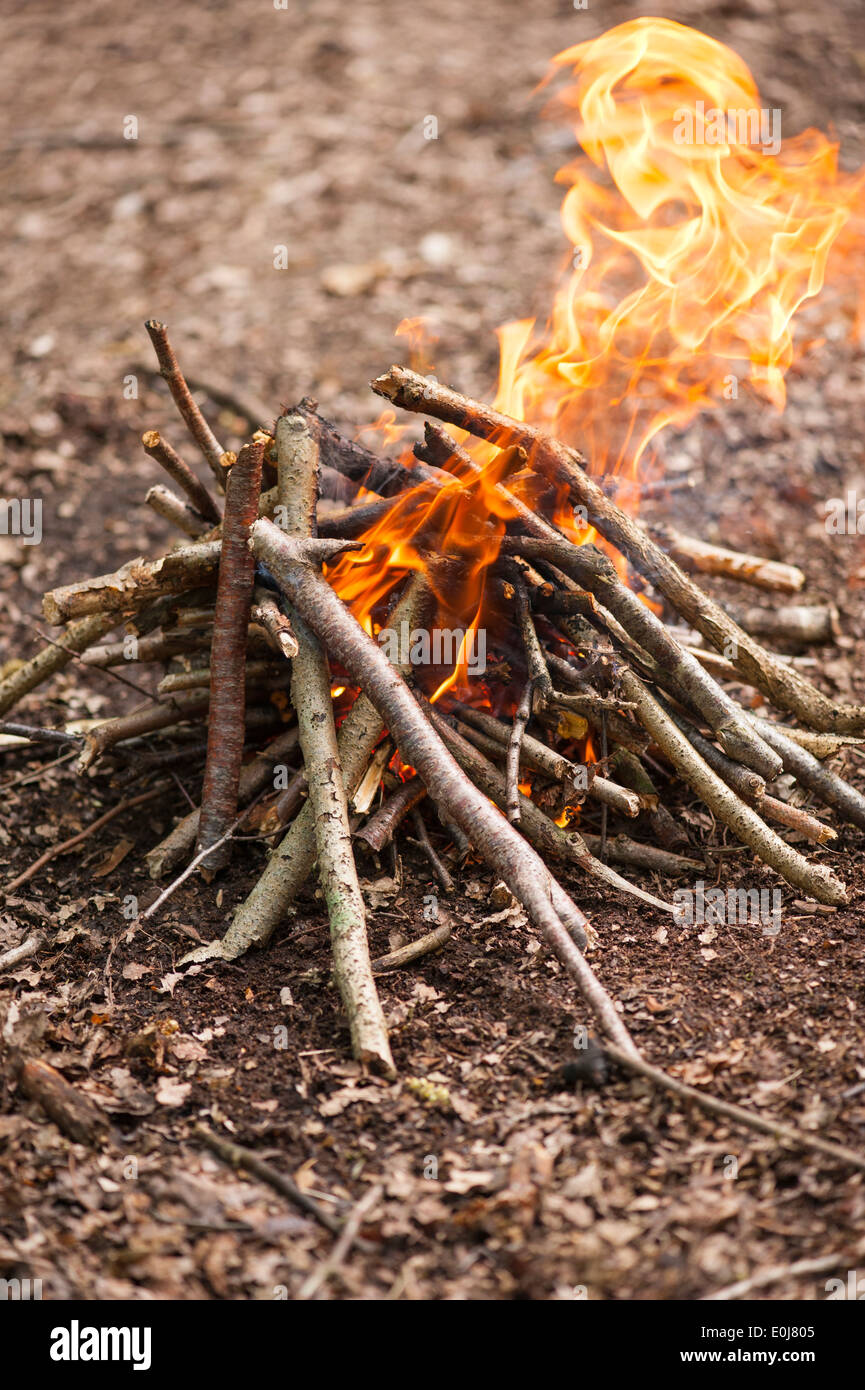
[
  {"x": 258, "y": 673},
  {"x": 414, "y": 950},
  {"x": 153, "y": 647},
  {"x": 228, "y": 660},
  {"x": 237, "y": 1157},
  {"x": 180, "y": 472},
  {"x": 804, "y": 624},
  {"x": 134, "y": 584},
  {"x": 268, "y": 613},
  {"x": 353, "y": 460},
  {"x": 189, "y": 411},
  {"x": 524, "y": 872},
  {"x": 546, "y": 836},
  {"x": 535, "y": 661},
  {"x": 54, "y": 657},
  {"x": 350, "y": 1231},
  {"x": 787, "y": 1134},
  {"x": 784, "y": 686},
  {"x": 775, "y": 1274},
  {"x": 534, "y": 753},
  {"x": 698, "y": 557},
  {"x": 167, "y": 504},
  {"x": 82, "y": 835},
  {"x": 521, "y": 717},
  {"x": 827, "y": 785},
  {"x": 751, "y": 787},
  {"x": 816, "y": 880},
  {"x": 423, "y": 840},
  {"x": 71, "y": 1110},
  {"x": 620, "y": 849},
  {"x": 139, "y": 722},
  {"x": 380, "y": 828},
  {"x": 35, "y": 735},
  {"x": 26, "y": 948},
  {"x": 310, "y": 690}
]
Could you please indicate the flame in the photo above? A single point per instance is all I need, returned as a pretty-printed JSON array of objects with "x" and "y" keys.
[
  {"x": 695, "y": 238},
  {"x": 695, "y": 241}
]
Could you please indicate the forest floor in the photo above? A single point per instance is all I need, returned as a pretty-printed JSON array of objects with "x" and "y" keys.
[{"x": 505, "y": 1182}]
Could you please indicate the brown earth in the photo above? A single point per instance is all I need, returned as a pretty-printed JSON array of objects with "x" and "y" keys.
[{"x": 303, "y": 128}]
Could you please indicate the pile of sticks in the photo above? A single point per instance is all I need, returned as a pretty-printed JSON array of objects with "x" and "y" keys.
[{"x": 254, "y": 638}]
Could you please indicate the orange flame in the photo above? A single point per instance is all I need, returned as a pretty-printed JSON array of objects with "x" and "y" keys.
[
  {"x": 696, "y": 236},
  {"x": 697, "y": 233}
]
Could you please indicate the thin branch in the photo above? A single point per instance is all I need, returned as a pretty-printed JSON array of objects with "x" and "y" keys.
[{"x": 191, "y": 415}]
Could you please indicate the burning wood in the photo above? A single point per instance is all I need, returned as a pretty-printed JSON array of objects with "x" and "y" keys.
[{"x": 581, "y": 656}]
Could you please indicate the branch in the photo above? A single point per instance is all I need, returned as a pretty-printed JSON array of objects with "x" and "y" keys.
[{"x": 189, "y": 411}]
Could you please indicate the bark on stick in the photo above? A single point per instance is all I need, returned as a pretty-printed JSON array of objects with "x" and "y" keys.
[
  {"x": 228, "y": 660},
  {"x": 180, "y": 472},
  {"x": 297, "y": 454},
  {"x": 191, "y": 415}
]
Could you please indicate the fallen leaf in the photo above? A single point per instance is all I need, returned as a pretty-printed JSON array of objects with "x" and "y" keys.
[
  {"x": 112, "y": 859},
  {"x": 172, "y": 1093}
]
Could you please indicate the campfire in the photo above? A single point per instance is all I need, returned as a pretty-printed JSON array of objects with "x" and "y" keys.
[{"x": 478, "y": 636}]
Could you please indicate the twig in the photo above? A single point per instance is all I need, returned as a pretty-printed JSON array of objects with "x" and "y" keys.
[
  {"x": 805, "y": 625},
  {"x": 698, "y": 557},
  {"x": 776, "y": 1274},
  {"x": 267, "y": 612},
  {"x": 189, "y": 411},
  {"x": 28, "y": 947},
  {"x": 380, "y": 828},
  {"x": 414, "y": 950},
  {"x": 173, "y": 509},
  {"x": 160, "y": 450},
  {"x": 536, "y": 664},
  {"x": 82, "y": 835},
  {"x": 831, "y": 789},
  {"x": 426, "y": 845},
  {"x": 521, "y": 718},
  {"x": 35, "y": 735},
  {"x": 54, "y": 657},
  {"x": 140, "y": 721},
  {"x": 311, "y": 1285},
  {"x": 787, "y": 1134},
  {"x": 620, "y": 849},
  {"x": 604, "y": 800},
  {"x": 238, "y": 1157}
]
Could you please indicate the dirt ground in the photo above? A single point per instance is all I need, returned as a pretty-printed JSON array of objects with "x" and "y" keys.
[{"x": 303, "y": 128}]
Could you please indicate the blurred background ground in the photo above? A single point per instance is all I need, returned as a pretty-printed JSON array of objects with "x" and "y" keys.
[{"x": 304, "y": 128}]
